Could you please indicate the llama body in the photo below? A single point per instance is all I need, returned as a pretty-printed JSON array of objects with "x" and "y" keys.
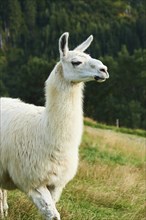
[
  {"x": 62, "y": 147},
  {"x": 39, "y": 145}
]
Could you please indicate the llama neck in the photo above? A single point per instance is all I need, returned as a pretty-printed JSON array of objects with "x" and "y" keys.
[
  {"x": 62, "y": 94},
  {"x": 63, "y": 107}
]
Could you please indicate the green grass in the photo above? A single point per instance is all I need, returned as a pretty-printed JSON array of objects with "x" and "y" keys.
[
  {"x": 98, "y": 150},
  {"x": 110, "y": 183}
]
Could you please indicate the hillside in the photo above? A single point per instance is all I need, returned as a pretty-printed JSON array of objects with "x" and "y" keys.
[
  {"x": 29, "y": 33},
  {"x": 110, "y": 183}
]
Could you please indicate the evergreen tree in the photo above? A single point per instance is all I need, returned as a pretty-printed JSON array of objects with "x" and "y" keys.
[{"x": 29, "y": 32}]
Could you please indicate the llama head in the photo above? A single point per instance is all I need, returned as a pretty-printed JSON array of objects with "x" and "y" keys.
[{"x": 79, "y": 66}]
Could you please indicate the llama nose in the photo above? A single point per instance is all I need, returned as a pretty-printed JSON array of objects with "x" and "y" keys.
[{"x": 104, "y": 70}]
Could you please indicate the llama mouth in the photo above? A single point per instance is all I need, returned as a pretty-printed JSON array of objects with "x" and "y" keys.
[{"x": 99, "y": 79}]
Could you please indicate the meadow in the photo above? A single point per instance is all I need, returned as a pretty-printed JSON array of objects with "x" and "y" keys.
[{"x": 110, "y": 183}]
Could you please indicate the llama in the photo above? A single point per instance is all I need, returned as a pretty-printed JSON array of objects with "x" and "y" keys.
[{"x": 39, "y": 145}]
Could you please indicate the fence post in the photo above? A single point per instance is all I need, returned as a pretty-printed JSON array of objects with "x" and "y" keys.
[{"x": 117, "y": 123}]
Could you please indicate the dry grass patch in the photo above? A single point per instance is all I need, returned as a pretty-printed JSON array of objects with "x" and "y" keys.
[{"x": 122, "y": 147}]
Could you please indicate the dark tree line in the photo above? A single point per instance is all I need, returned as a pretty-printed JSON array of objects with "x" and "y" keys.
[{"x": 29, "y": 32}]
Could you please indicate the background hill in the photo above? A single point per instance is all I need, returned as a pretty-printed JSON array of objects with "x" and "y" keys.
[
  {"x": 109, "y": 185},
  {"x": 29, "y": 32}
]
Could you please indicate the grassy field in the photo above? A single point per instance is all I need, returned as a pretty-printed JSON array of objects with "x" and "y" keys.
[{"x": 110, "y": 183}]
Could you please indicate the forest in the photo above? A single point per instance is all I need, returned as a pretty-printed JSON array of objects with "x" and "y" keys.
[{"x": 29, "y": 33}]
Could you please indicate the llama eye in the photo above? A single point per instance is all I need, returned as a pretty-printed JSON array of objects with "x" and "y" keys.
[{"x": 76, "y": 63}]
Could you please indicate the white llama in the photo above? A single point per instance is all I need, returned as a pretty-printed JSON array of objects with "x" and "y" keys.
[{"x": 39, "y": 145}]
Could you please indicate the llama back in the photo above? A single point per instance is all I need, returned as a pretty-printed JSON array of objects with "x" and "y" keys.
[{"x": 10, "y": 104}]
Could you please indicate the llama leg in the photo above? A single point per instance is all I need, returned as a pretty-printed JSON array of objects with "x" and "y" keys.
[
  {"x": 44, "y": 202},
  {"x": 55, "y": 192},
  {"x": 1, "y": 204},
  {"x": 5, "y": 204}
]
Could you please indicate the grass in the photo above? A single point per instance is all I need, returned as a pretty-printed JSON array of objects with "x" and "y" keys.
[
  {"x": 110, "y": 183},
  {"x": 94, "y": 124}
]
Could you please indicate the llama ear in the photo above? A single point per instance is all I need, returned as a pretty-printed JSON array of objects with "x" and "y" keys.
[
  {"x": 82, "y": 47},
  {"x": 63, "y": 44}
]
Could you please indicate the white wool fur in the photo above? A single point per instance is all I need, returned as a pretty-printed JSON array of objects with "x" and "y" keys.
[
  {"x": 42, "y": 147},
  {"x": 39, "y": 145}
]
